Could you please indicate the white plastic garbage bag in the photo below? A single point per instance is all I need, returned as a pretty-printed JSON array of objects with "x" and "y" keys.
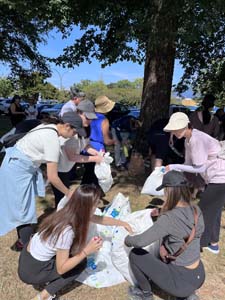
[
  {"x": 100, "y": 271},
  {"x": 103, "y": 173},
  {"x": 139, "y": 221},
  {"x": 153, "y": 181},
  {"x": 62, "y": 203}
]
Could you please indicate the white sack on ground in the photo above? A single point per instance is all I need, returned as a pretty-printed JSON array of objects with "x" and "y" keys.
[
  {"x": 62, "y": 203},
  {"x": 139, "y": 221},
  {"x": 100, "y": 271}
]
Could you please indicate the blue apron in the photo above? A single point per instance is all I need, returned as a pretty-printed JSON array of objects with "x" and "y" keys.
[{"x": 20, "y": 182}]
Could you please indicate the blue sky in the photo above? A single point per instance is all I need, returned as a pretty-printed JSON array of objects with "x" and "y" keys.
[{"x": 93, "y": 71}]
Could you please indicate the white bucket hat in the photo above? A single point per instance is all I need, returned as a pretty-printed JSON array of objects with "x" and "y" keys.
[{"x": 177, "y": 121}]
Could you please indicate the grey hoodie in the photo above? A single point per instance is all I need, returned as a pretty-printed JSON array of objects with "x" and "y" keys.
[{"x": 172, "y": 227}]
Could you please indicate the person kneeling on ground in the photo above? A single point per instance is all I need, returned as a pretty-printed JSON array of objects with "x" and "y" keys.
[
  {"x": 56, "y": 254},
  {"x": 178, "y": 229}
]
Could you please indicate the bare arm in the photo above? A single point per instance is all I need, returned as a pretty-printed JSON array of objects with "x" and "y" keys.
[
  {"x": 82, "y": 158},
  {"x": 64, "y": 263},
  {"x": 52, "y": 174},
  {"x": 106, "y": 133},
  {"x": 110, "y": 222},
  {"x": 13, "y": 110},
  {"x": 91, "y": 150}
]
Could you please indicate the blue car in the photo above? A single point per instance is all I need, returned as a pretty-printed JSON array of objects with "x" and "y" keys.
[{"x": 52, "y": 111}]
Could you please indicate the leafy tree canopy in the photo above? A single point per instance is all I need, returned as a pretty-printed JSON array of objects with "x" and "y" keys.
[
  {"x": 114, "y": 31},
  {"x": 6, "y": 87},
  {"x": 111, "y": 27},
  {"x": 123, "y": 91}
]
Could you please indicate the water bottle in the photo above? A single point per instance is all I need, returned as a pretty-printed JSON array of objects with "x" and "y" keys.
[{"x": 91, "y": 265}]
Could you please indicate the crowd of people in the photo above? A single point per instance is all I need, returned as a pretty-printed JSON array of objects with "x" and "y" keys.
[{"x": 56, "y": 253}]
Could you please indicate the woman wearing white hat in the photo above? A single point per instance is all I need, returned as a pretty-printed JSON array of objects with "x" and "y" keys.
[{"x": 202, "y": 156}]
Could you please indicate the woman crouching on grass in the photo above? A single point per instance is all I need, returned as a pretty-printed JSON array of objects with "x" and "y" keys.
[
  {"x": 56, "y": 254},
  {"x": 180, "y": 225}
]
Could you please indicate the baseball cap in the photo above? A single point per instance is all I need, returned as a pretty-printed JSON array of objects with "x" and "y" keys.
[
  {"x": 177, "y": 121},
  {"x": 173, "y": 178},
  {"x": 88, "y": 109},
  {"x": 74, "y": 120}
]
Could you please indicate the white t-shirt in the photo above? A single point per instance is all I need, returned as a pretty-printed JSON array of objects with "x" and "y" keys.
[
  {"x": 42, "y": 145},
  {"x": 32, "y": 112},
  {"x": 45, "y": 250},
  {"x": 75, "y": 145},
  {"x": 67, "y": 107}
]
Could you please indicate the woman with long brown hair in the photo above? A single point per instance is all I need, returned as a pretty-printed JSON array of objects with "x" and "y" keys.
[
  {"x": 56, "y": 254},
  {"x": 177, "y": 269}
]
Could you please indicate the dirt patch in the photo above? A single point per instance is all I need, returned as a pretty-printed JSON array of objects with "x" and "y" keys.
[{"x": 11, "y": 288}]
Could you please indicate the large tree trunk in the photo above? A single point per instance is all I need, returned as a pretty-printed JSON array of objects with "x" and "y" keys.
[{"x": 158, "y": 73}]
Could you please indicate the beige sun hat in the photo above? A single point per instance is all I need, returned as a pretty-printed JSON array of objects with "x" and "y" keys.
[
  {"x": 177, "y": 121},
  {"x": 103, "y": 104}
]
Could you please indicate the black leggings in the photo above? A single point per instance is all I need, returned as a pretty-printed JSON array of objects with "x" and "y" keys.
[
  {"x": 89, "y": 176},
  {"x": 174, "y": 280},
  {"x": 211, "y": 203},
  {"x": 25, "y": 232},
  {"x": 65, "y": 178},
  {"x": 33, "y": 271}
]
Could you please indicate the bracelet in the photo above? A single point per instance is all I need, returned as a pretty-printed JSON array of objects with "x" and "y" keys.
[{"x": 85, "y": 253}]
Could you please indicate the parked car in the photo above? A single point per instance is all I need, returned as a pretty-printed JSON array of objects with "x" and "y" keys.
[
  {"x": 134, "y": 112},
  {"x": 47, "y": 101},
  {"x": 178, "y": 108},
  {"x": 5, "y": 104},
  {"x": 2, "y": 105},
  {"x": 51, "y": 111}
]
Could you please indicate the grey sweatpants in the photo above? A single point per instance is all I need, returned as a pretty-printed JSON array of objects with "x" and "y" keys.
[
  {"x": 174, "y": 280},
  {"x": 33, "y": 271}
]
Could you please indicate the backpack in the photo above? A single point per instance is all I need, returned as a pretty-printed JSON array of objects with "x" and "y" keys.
[{"x": 11, "y": 140}]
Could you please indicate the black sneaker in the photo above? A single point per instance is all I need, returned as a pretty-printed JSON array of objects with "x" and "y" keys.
[
  {"x": 17, "y": 246},
  {"x": 136, "y": 294}
]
